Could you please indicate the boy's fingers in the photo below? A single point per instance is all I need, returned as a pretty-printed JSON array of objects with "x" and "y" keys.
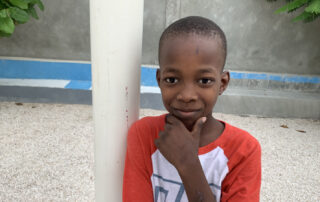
[
  {"x": 198, "y": 125},
  {"x": 158, "y": 140},
  {"x": 160, "y": 134},
  {"x": 172, "y": 119},
  {"x": 167, "y": 127}
]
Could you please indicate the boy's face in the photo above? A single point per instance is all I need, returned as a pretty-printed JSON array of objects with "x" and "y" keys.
[{"x": 190, "y": 76}]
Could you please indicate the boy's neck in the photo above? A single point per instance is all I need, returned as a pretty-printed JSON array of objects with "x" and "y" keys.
[{"x": 210, "y": 131}]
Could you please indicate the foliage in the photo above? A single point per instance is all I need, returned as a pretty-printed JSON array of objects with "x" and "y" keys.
[
  {"x": 310, "y": 12},
  {"x": 13, "y": 12}
]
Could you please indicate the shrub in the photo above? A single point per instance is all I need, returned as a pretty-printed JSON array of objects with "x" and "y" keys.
[
  {"x": 13, "y": 12},
  {"x": 311, "y": 9}
]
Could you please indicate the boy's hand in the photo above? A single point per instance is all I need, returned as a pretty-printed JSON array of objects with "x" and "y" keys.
[{"x": 177, "y": 144}]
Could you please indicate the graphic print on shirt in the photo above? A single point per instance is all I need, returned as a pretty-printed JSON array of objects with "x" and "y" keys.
[{"x": 167, "y": 184}]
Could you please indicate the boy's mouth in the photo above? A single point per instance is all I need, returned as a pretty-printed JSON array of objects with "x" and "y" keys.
[{"x": 186, "y": 113}]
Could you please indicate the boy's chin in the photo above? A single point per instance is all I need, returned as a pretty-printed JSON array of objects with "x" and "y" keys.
[{"x": 188, "y": 122}]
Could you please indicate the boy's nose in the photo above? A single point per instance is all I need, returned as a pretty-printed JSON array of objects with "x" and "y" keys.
[{"x": 187, "y": 94}]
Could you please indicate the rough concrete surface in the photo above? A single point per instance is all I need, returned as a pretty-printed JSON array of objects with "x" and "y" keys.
[{"x": 46, "y": 153}]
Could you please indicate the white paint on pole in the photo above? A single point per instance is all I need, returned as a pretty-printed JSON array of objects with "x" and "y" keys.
[{"x": 116, "y": 41}]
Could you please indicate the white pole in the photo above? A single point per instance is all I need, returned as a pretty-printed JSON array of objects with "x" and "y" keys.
[{"x": 116, "y": 40}]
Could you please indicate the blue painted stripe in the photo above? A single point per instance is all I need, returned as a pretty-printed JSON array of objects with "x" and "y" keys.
[
  {"x": 79, "y": 85},
  {"x": 24, "y": 69},
  {"x": 148, "y": 76},
  {"x": 274, "y": 77}
]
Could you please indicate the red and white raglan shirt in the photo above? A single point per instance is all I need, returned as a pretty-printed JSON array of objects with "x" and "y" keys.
[{"x": 231, "y": 164}]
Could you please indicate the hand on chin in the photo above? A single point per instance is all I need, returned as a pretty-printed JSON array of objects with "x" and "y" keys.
[{"x": 187, "y": 121}]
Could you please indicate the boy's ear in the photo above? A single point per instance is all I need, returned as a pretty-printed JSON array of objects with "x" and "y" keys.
[
  {"x": 225, "y": 78},
  {"x": 158, "y": 77}
]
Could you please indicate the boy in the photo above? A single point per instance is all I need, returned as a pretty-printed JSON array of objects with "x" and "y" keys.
[{"x": 187, "y": 155}]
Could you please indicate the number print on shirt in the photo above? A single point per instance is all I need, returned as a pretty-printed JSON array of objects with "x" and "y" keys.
[{"x": 160, "y": 194}]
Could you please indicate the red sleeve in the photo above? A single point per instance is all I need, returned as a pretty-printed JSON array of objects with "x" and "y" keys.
[
  {"x": 243, "y": 181},
  {"x": 138, "y": 166}
]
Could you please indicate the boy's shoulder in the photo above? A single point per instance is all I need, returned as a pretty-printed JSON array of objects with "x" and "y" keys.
[
  {"x": 236, "y": 140},
  {"x": 236, "y": 134}
]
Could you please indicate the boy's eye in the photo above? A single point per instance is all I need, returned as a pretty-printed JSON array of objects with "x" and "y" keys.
[
  {"x": 205, "y": 81},
  {"x": 171, "y": 80}
]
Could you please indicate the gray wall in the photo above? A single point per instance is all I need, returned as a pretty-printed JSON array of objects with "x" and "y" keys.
[
  {"x": 258, "y": 39},
  {"x": 62, "y": 32}
]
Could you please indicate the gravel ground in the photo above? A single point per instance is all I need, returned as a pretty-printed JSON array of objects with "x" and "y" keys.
[{"x": 46, "y": 153}]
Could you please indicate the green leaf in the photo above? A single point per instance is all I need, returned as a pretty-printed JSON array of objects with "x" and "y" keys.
[
  {"x": 310, "y": 13},
  {"x": 282, "y": 9},
  {"x": 20, "y": 3},
  {"x": 2, "y": 34},
  {"x": 311, "y": 18},
  {"x": 18, "y": 14},
  {"x": 6, "y": 25},
  {"x": 306, "y": 17},
  {"x": 5, "y": 3},
  {"x": 302, "y": 16},
  {"x": 40, "y": 5},
  {"x": 2, "y": 6},
  {"x": 3, "y": 13},
  {"x": 314, "y": 7},
  {"x": 292, "y": 6},
  {"x": 33, "y": 12}
]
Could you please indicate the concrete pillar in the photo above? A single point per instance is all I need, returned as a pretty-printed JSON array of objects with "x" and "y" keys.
[{"x": 116, "y": 41}]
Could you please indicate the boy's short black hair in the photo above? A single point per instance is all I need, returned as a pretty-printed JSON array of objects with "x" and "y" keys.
[{"x": 194, "y": 25}]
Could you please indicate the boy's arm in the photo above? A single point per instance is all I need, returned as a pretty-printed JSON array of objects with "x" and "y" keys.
[
  {"x": 180, "y": 147},
  {"x": 195, "y": 183},
  {"x": 244, "y": 181}
]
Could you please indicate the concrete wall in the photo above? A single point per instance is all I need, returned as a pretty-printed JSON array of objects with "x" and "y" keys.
[
  {"x": 62, "y": 32},
  {"x": 258, "y": 39}
]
